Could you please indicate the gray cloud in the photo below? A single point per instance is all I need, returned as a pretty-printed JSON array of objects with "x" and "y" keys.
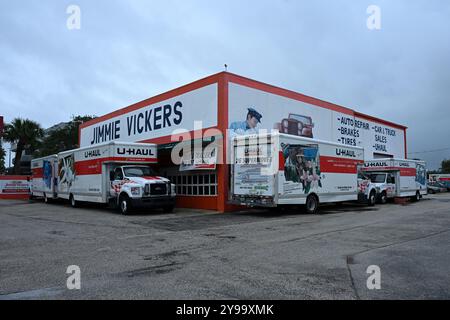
[{"x": 128, "y": 51}]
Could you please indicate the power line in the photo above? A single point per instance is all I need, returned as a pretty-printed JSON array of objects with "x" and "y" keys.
[{"x": 428, "y": 151}]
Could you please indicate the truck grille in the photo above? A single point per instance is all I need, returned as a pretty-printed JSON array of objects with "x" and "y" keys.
[{"x": 158, "y": 189}]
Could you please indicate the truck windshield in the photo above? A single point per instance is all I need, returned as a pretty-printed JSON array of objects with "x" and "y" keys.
[
  {"x": 138, "y": 171},
  {"x": 378, "y": 178},
  {"x": 362, "y": 176}
]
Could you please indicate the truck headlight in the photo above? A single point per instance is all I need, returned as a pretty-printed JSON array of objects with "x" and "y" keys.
[{"x": 135, "y": 191}]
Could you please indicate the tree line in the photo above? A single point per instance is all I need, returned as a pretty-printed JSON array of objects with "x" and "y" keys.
[{"x": 29, "y": 135}]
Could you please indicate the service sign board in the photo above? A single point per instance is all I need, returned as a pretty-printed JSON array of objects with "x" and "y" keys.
[
  {"x": 158, "y": 119},
  {"x": 302, "y": 119},
  {"x": 202, "y": 159},
  {"x": 14, "y": 187}
]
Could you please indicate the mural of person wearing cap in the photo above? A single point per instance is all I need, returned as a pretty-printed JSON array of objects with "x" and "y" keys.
[{"x": 247, "y": 126}]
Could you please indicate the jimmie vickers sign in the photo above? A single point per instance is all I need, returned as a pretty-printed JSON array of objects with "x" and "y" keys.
[{"x": 156, "y": 120}]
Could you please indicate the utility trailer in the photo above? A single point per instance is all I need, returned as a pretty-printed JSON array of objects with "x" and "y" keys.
[
  {"x": 269, "y": 170},
  {"x": 394, "y": 178}
]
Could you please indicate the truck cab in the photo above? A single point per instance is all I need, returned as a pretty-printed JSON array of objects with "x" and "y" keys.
[
  {"x": 367, "y": 191},
  {"x": 384, "y": 184},
  {"x": 134, "y": 186}
]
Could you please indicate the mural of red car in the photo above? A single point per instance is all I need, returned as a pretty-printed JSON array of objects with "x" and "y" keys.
[{"x": 296, "y": 124}]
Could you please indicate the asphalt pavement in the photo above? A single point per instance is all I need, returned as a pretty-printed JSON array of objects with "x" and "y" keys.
[{"x": 253, "y": 254}]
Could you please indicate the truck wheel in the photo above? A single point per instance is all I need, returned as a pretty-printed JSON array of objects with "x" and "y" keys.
[
  {"x": 73, "y": 202},
  {"x": 124, "y": 205},
  {"x": 372, "y": 198},
  {"x": 46, "y": 200},
  {"x": 168, "y": 209},
  {"x": 312, "y": 204},
  {"x": 416, "y": 197},
  {"x": 383, "y": 198}
]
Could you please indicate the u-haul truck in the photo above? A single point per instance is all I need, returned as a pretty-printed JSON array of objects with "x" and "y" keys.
[
  {"x": 397, "y": 178},
  {"x": 279, "y": 169},
  {"x": 115, "y": 173},
  {"x": 443, "y": 178},
  {"x": 44, "y": 177}
]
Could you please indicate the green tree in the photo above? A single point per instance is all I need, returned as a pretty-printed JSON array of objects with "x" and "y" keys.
[
  {"x": 62, "y": 139},
  {"x": 25, "y": 134},
  {"x": 2, "y": 160},
  {"x": 445, "y": 166}
]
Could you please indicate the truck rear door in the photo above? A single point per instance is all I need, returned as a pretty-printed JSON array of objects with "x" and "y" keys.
[{"x": 254, "y": 172}]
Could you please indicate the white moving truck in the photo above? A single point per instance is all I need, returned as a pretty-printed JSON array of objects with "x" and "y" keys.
[
  {"x": 279, "y": 169},
  {"x": 115, "y": 173},
  {"x": 444, "y": 179},
  {"x": 397, "y": 178},
  {"x": 44, "y": 177}
]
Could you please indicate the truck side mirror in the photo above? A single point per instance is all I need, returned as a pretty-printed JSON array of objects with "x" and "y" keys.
[{"x": 111, "y": 175}]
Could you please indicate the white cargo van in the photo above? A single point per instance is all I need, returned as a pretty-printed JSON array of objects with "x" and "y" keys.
[
  {"x": 116, "y": 173},
  {"x": 397, "y": 178},
  {"x": 279, "y": 169},
  {"x": 44, "y": 177}
]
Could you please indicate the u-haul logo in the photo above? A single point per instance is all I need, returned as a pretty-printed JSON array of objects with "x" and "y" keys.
[
  {"x": 375, "y": 164},
  {"x": 92, "y": 153},
  {"x": 135, "y": 151},
  {"x": 345, "y": 152}
]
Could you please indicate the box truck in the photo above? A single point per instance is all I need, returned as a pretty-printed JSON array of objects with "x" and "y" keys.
[
  {"x": 444, "y": 179},
  {"x": 397, "y": 178},
  {"x": 279, "y": 169},
  {"x": 115, "y": 173},
  {"x": 44, "y": 179}
]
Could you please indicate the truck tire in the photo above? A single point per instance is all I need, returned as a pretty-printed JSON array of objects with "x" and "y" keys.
[
  {"x": 372, "y": 198},
  {"x": 416, "y": 198},
  {"x": 124, "y": 204},
  {"x": 383, "y": 197},
  {"x": 72, "y": 201},
  {"x": 46, "y": 199},
  {"x": 312, "y": 204}
]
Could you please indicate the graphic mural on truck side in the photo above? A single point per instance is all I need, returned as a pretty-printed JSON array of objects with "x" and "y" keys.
[
  {"x": 66, "y": 171},
  {"x": 421, "y": 174},
  {"x": 48, "y": 173},
  {"x": 302, "y": 166}
]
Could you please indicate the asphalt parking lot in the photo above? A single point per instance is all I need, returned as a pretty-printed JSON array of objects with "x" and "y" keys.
[{"x": 257, "y": 254}]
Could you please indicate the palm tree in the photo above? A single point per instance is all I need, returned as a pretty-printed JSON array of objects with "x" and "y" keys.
[{"x": 26, "y": 134}]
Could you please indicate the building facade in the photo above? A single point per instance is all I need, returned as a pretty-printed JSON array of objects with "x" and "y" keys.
[{"x": 211, "y": 110}]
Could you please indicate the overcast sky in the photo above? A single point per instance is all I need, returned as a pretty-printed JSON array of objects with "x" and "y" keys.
[{"x": 127, "y": 51}]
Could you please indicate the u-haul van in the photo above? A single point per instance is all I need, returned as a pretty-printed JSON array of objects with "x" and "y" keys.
[
  {"x": 279, "y": 169},
  {"x": 44, "y": 177},
  {"x": 116, "y": 173},
  {"x": 397, "y": 178}
]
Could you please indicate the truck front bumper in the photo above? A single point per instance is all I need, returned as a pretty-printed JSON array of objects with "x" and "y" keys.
[{"x": 153, "y": 202}]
